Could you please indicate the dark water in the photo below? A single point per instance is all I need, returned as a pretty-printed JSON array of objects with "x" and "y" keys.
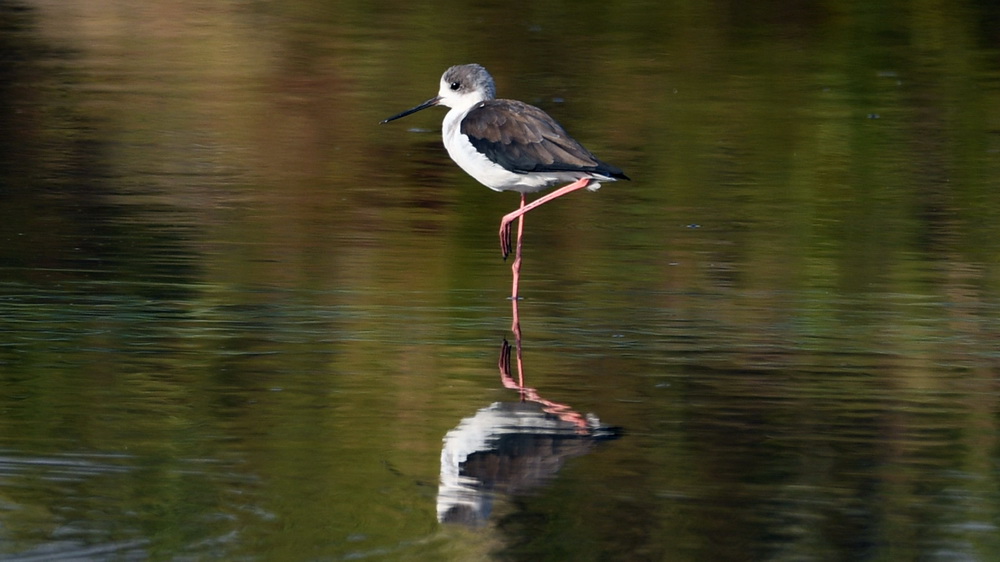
[{"x": 240, "y": 320}]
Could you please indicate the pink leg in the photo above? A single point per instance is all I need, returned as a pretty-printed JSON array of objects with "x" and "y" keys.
[
  {"x": 516, "y": 266},
  {"x": 509, "y": 217},
  {"x": 516, "y": 270}
]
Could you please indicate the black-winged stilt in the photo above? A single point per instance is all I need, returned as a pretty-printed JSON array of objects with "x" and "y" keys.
[{"x": 509, "y": 145}]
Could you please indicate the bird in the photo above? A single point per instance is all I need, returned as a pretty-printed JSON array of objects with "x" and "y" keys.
[{"x": 509, "y": 145}]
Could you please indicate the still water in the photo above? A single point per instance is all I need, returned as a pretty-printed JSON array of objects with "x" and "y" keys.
[{"x": 241, "y": 320}]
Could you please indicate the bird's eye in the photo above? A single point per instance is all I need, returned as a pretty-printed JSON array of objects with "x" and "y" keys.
[{"x": 455, "y": 85}]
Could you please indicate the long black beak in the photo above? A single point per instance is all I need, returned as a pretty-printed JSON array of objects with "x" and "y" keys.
[{"x": 429, "y": 103}]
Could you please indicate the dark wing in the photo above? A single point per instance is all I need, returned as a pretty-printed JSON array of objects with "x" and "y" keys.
[{"x": 523, "y": 139}]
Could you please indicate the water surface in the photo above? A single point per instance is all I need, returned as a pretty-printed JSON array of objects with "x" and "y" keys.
[{"x": 240, "y": 320}]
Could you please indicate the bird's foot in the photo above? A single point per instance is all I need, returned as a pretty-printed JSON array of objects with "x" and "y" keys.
[{"x": 505, "y": 243}]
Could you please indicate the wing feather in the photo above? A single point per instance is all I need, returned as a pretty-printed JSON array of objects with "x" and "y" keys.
[{"x": 524, "y": 139}]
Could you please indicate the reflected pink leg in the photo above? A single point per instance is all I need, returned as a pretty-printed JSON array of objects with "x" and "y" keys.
[
  {"x": 505, "y": 376},
  {"x": 564, "y": 412},
  {"x": 516, "y": 328}
]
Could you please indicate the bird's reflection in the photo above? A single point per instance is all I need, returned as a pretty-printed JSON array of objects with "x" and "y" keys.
[{"x": 510, "y": 447}]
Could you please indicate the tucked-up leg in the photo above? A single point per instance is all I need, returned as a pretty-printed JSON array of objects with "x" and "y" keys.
[{"x": 505, "y": 245}]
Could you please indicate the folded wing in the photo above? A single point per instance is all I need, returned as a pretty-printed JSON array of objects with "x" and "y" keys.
[{"x": 524, "y": 139}]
